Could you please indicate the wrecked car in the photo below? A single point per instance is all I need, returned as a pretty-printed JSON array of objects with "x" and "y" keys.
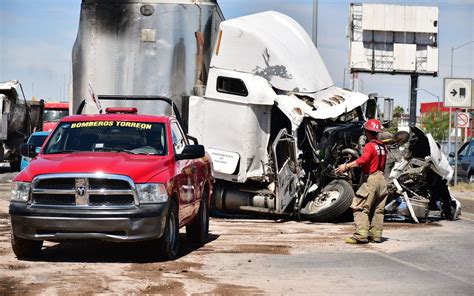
[{"x": 418, "y": 181}]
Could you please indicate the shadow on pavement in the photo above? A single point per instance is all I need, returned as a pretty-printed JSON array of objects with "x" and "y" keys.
[{"x": 91, "y": 251}]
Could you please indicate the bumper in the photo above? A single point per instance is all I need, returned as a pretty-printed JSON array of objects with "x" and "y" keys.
[{"x": 143, "y": 223}]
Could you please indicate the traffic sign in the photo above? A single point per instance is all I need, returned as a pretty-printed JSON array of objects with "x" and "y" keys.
[
  {"x": 458, "y": 93},
  {"x": 463, "y": 119}
]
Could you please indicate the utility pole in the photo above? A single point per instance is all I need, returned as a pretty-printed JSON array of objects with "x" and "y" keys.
[
  {"x": 315, "y": 23},
  {"x": 453, "y": 48}
]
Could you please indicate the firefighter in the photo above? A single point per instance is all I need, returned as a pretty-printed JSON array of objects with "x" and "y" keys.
[{"x": 369, "y": 202}]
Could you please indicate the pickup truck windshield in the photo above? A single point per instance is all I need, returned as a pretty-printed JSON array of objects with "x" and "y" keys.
[{"x": 110, "y": 136}]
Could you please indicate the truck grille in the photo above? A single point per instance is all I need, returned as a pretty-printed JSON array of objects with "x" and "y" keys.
[{"x": 85, "y": 190}]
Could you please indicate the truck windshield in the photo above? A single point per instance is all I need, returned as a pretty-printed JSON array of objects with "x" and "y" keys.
[
  {"x": 54, "y": 115},
  {"x": 37, "y": 140},
  {"x": 114, "y": 136}
]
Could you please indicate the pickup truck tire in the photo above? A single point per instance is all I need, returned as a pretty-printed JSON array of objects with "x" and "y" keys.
[
  {"x": 25, "y": 248},
  {"x": 168, "y": 243},
  {"x": 329, "y": 208},
  {"x": 198, "y": 231}
]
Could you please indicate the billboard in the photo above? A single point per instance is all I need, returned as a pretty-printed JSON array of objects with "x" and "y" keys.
[{"x": 393, "y": 39}]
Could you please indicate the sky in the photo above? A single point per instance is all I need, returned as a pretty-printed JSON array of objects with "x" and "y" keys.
[{"x": 36, "y": 39}]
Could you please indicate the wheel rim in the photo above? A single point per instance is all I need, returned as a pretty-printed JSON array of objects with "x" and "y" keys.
[{"x": 325, "y": 199}]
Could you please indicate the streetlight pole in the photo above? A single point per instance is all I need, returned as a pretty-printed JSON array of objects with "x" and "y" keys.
[
  {"x": 436, "y": 96},
  {"x": 315, "y": 22},
  {"x": 453, "y": 48}
]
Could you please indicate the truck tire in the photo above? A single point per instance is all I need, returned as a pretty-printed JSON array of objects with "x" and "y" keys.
[
  {"x": 25, "y": 248},
  {"x": 168, "y": 243},
  {"x": 198, "y": 231},
  {"x": 335, "y": 199}
]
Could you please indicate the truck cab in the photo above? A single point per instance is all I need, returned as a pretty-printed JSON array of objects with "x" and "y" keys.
[
  {"x": 119, "y": 177},
  {"x": 53, "y": 112}
]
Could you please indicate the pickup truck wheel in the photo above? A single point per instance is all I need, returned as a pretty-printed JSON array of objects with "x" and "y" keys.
[
  {"x": 168, "y": 243},
  {"x": 25, "y": 248},
  {"x": 198, "y": 231},
  {"x": 471, "y": 178},
  {"x": 335, "y": 198}
]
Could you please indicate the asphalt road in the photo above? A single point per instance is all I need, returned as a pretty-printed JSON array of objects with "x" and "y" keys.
[{"x": 254, "y": 257}]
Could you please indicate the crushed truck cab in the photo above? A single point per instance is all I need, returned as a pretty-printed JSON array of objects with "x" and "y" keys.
[{"x": 118, "y": 177}]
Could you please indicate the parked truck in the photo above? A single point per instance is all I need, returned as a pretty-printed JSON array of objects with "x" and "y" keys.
[
  {"x": 53, "y": 112},
  {"x": 120, "y": 177},
  {"x": 19, "y": 118},
  {"x": 254, "y": 90}
]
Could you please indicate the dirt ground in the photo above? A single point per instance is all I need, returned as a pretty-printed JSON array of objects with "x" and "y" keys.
[{"x": 242, "y": 257}]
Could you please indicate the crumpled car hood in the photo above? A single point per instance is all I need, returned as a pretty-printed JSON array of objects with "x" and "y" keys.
[{"x": 426, "y": 146}]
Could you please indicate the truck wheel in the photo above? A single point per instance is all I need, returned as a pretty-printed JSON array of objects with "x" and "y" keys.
[
  {"x": 25, "y": 248},
  {"x": 198, "y": 230},
  {"x": 168, "y": 243},
  {"x": 332, "y": 202}
]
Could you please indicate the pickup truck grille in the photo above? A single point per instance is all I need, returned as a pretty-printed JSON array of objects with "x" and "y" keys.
[{"x": 85, "y": 190}]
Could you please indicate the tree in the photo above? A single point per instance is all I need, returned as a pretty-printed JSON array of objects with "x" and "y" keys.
[
  {"x": 436, "y": 123},
  {"x": 398, "y": 112}
]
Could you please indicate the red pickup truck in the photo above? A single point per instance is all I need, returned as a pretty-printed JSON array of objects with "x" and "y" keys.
[{"x": 118, "y": 177}]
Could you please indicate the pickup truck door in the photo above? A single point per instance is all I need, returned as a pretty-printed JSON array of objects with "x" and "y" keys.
[{"x": 184, "y": 179}]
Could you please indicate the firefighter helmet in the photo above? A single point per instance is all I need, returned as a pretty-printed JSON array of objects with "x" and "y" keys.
[{"x": 373, "y": 125}]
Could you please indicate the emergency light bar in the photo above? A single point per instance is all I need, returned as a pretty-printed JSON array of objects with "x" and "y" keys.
[{"x": 121, "y": 110}]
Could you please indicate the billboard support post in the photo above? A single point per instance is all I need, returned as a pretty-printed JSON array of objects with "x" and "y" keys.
[{"x": 413, "y": 87}]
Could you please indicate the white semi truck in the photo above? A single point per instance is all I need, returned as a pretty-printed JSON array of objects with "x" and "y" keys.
[{"x": 254, "y": 90}]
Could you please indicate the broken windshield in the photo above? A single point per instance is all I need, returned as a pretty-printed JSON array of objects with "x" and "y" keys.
[{"x": 108, "y": 136}]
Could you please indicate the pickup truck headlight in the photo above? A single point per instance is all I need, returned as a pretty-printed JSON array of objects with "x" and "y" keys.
[
  {"x": 152, "y": 193},
  {"x": 20, "y": 191}
]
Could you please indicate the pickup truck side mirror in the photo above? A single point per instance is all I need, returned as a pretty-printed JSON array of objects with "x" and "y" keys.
[
  {"x": 191, "y": 152},
  {"x": 451, "y": 154},
  {"x": 28, "y": 150},
  {"x": 192, "y": 139}
]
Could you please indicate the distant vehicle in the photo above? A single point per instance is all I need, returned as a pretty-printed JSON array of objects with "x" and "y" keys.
[
  {"x": 53, "y": 112},
  {"x": 37, "y": 139},
  {"x": 19, "y": 118},
  {"x": 465, "y": 162}
]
